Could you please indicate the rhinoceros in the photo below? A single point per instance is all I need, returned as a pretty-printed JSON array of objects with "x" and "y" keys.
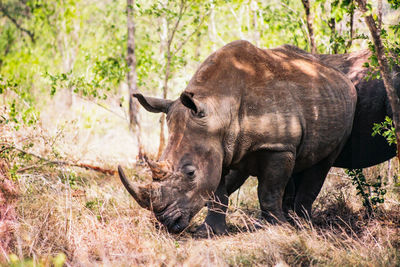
[
  {"x": 264, "y": 112},
  {"x": 362, "y": 150}
]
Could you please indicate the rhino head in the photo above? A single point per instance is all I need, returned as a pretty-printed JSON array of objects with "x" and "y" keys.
[{"x": 189, "y": 170}]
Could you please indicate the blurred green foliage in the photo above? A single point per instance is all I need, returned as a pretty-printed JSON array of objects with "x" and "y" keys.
[{"x": 80, "y": 46}]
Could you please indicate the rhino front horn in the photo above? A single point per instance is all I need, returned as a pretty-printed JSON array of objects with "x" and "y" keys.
[{"x": 140, "y": 193}]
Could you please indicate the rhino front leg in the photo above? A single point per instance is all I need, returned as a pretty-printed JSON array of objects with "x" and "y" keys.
[
  {"x": 216, "y": 216},
  {"x": 234, "y": 180},
  {"x": 217, "y": 206},
  {"x": 289, "y": 196},
  {"x": 275, "y": 170}
]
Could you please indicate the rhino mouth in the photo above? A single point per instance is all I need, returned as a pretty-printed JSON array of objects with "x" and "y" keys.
[{"x": 174, "y": 218}]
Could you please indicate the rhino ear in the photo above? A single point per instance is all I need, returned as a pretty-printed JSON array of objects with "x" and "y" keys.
[
  {"x": 153, "y": 104},
  {"x": 188, "y": 101}
]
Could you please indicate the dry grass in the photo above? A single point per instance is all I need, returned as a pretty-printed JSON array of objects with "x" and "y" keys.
[
  {"x": 102, "y": 225},
  {"x": 92, "y": 220}
]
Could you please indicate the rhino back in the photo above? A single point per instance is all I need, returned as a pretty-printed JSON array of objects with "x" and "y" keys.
[
  {"x": 278, "y": 100},
  {"x": 362, "y": 149}
]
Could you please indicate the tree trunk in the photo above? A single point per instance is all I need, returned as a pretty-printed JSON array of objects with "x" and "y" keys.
[
  {"x": 256, "y": 33},
  {"x": 198, "y": 46},
  {"x": 211, "y": 29},
  {"x": 384, "y": 68},
  {"x": 332, "y": 26},
  {"x": 165, "y": 50},
  {"x": 165, "y": 91},
  {"x": 379, "y": 14},
  {"x": 350, "y": 42},
  {"x": 134, "y": 123},
  {"x": 306, "y": 5}
]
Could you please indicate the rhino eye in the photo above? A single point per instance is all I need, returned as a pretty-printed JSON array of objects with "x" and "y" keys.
[
  {"x": 189, "y": 170},
  {"x": 199, "y": 114}
]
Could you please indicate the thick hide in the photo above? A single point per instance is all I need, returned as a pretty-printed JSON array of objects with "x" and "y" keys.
[{"x": 362, "y": 150}]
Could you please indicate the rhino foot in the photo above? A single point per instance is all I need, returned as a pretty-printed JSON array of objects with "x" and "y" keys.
[{"x": 206, "y": 230}]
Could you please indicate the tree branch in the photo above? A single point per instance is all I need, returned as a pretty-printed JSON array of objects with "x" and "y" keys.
[
  {"x": 190, "y": 35},
  {"x": 104, "y": 107},
  {"x": 182, "y": 10},
  {"x": 301, "y": 23},
  {"x": 14, "y": 21}
]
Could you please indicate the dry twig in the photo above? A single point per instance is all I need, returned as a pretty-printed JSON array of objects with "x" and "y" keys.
[{"x": 56, "y": 162}]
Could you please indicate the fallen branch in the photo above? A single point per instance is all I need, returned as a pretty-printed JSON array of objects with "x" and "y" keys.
[
  {"x": 95, "y": 168},
  {"x": 58, "y": 162}
]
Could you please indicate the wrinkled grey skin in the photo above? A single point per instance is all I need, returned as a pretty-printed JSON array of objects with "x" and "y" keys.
[
  {"x": 267, "y": 113},
  {"x": 361, "y": 150}
]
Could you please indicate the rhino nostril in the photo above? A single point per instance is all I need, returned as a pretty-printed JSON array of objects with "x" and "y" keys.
[
  {"x": 169, "y": 215},
  {"x": 176, "y": 228}
]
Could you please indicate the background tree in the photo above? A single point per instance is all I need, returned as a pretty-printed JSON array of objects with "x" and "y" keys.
[
  {"x": 134, "y": 122},
  {"x": 306, "y": 4},
  {"x": 174, "y": 18}
]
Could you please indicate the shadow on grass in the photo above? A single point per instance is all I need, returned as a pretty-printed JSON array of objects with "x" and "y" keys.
[{"x": 337, "y": 218}]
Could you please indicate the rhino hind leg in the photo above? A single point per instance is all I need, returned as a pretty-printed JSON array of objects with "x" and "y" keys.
[
  {"x": 275, "y": 171},
  {"x": 308, "y": 184}
]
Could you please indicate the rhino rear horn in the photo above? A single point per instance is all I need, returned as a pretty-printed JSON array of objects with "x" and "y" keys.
[
  {"x": 140, "y": 193},
  {"x": 153, "y": 104},
  {"x": 160, "y": 170}
]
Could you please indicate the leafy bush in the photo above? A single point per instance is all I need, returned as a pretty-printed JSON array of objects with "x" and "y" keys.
[
  {"x": 386, "y": 129},
  {"x": 370, "y": 198}
]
